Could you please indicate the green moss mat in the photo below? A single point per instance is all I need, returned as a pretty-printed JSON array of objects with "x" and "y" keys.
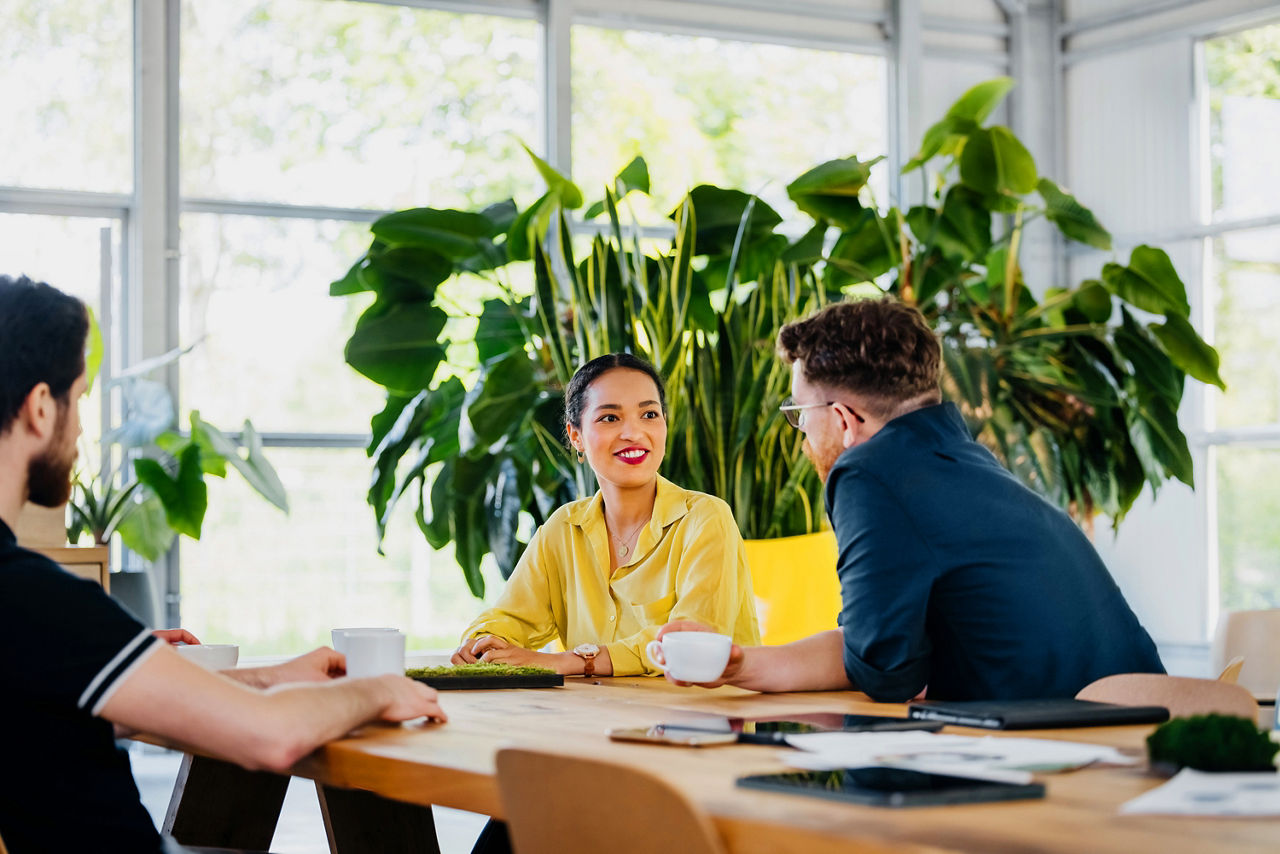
[{"x": 480, "y": 668}]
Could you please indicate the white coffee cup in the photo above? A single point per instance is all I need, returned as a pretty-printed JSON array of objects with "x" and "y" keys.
[
  {"x": 691, "y": 656},
  {"x": 210, "y": 656},
  {"x": 374, "y": 653},
  {"x": 339, "y": 636}
]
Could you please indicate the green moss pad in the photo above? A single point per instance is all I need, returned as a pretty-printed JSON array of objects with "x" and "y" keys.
[{"x": 485, "y": 676}]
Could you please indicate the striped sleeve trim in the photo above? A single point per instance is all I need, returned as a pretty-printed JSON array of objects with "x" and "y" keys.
[{"x": 111, "y": 676}]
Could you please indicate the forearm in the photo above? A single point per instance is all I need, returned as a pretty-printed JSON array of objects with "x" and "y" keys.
[{"x": 815, "y": 663}]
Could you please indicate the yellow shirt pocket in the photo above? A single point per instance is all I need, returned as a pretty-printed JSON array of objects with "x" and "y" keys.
[{"x": 657, "y": 612}]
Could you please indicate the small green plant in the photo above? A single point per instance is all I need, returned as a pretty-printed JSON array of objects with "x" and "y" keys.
[
  {"x": 479, "y": 668},
  {"x": 1212, "y": 743}
]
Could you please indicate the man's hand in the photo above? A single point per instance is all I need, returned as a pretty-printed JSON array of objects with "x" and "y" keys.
[
  {"x": 732, "y": 670},
  {"x": 319, "y": 665},
  {"x": 175, "y": 636},
  {"x": 408, "y": 699}
]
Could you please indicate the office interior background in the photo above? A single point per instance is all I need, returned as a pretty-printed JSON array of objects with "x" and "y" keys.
[{"x": 199, "y": 171}]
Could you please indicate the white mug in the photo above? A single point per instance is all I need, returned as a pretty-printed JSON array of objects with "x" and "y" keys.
[
  {"x": 374, "y": 653},
  {"x": 339, "y": 636},
  {"x": 691, "y": 656},
  {"x": 210, "y": 656}
]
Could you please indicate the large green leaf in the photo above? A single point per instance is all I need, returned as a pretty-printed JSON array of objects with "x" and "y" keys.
[
  {"x": 634, "y": 176},
  {"x": 564, "y": 190},
  {"x": 499, "y": 329},
  {"x": 981, "y": 100},
  {"x": 398, "y": 348},
  {"x": 529, "y": 227},
  {"x": 865, "y": 250},
  {"x": 1188, "y": 350},
  {"x": 1093, "y": 301},
  {"x": 995, "y": 162},
  {"x": 1149, "y": 282},
  {"x": 406, "y": 273},
  {"x": 949, "y": 133},
  {"x": 1073, "y": 219},
  {"x": 719, "y": 214},
  {"x": 1147, "y": 361},
  {"x": 1156, "y": 434},
  {"x": 503, "y": 505},
  {"x": 253, "y": 466},
  {"x": 829, "y": 192},
  {"x": 145, "y": 531},
  {"x": 498, "y": 402},
  {"x": 184, "y": 496},
  {"x": 453, "y": 234}
]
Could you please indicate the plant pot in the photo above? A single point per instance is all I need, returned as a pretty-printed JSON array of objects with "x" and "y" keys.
[
  {"x": 42, "y": 527},
  {"x": 797, "y": 591},
  {"x": 133, "y": 590}
]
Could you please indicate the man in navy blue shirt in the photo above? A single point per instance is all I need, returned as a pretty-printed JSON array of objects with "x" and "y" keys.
[
  {"x": 954, "y": 576},
  {"x": 77, "y": 669}
]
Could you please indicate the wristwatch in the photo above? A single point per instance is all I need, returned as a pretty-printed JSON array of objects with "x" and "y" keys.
[{"x": 587, "y": 652}]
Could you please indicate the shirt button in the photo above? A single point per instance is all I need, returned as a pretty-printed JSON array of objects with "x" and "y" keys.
[{"x": 611, "y": 618}]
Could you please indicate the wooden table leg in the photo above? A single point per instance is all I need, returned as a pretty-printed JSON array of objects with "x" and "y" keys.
[
  {"x": 218, "y": 804},
  {"x": 360, "y": 822}
]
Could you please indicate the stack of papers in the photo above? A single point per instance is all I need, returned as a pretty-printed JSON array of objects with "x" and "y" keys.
[
  {"x": 1199, "y": 793},
  {"x": 1009, "y": 760}
]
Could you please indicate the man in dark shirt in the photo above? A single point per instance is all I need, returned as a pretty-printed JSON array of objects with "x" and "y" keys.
[
  {"x": 77, "y": 669},
  {"x": 953, "y": 574}
]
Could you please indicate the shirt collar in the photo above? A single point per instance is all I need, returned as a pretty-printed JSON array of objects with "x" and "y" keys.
[
  {"x": 668, "y": 506},
  {"x": 7, "y": 537}
]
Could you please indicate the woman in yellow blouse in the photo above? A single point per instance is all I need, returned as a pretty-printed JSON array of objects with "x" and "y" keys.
[{"x": 604, "y": 573}]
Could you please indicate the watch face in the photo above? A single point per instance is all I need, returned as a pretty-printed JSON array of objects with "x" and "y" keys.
[{"x": 586, "y": 649}]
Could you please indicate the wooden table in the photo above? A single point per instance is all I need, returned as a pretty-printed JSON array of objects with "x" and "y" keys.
[{"x": 453, "y": 765}]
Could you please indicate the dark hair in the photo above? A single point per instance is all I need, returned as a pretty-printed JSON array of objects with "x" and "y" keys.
[
  {"x": 879, "y": 349},
  {"x": 42, "y": 338},
  {"x": 593, "y": 370}
]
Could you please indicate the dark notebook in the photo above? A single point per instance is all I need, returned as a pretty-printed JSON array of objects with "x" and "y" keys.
[{"x": 1034, "y": 714}]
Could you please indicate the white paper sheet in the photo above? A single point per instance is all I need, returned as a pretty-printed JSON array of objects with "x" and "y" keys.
[
  {"x": 1199, "y": 793},
  {"x": 987, "y": 757}
]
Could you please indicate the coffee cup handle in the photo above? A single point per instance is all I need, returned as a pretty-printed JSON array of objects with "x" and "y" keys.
[{"x": 653, "y": 649}]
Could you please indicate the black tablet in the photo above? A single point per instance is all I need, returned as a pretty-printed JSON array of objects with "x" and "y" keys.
[{"x": 891, "y": 787}]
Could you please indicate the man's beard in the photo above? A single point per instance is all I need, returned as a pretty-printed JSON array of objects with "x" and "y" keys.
[
  {"x": 49, "y": 475},
  {"x": 822, "y": 464}
]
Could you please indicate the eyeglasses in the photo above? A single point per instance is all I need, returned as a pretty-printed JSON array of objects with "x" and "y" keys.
[{"x": 794, "y": 412}]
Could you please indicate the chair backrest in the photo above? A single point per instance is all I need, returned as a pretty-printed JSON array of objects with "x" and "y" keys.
[
  {"x": 1181, "y": 695},
  {"x": 1231, "y": 673},
  {"x": 553, "y": 806},
  {"x": 1256, "y": 636}
]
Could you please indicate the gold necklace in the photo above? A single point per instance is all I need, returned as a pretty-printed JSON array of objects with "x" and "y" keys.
[{"x": 623, "y": 549}]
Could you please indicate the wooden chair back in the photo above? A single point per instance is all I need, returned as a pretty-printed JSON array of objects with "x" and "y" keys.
[
  {"x": 1231, "y": 673},
  {"x": 1256, "y": 636},
  {"x": 553, "y": 805},
  {"x": 1181, "y": 695}
]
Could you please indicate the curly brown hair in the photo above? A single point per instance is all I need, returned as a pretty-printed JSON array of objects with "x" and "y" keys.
[{"x": 879, "y": 349}]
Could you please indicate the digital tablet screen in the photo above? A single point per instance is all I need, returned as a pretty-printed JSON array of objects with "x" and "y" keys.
[{"x": 891, "y": 787}]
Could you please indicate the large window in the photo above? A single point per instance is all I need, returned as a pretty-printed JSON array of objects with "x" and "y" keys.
[
  {"x": 345, "y": 107},
  {"x": 295, "y": 124},
  {"x": 1242, "y": 84}
]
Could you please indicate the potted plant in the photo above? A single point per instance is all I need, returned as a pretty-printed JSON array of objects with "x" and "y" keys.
[
  {"x": 1079, "y": 406},
  {"x": 166, "y": 494}
]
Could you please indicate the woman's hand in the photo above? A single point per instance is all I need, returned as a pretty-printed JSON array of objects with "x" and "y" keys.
[
  {"x": 496, "y": 650},
  {"x": 464, "y": 654}
]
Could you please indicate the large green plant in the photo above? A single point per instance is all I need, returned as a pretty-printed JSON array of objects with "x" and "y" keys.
[
  {"x": 1077, "y": 391},
  {"x": 1078, "y": 403}
]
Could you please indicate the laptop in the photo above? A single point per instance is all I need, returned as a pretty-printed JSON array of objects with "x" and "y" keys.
[{"x": 1034, "y": 714}]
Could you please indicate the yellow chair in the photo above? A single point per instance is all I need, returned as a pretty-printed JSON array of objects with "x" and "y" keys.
[
  {"x": 797, "y": 590},
  {"x": 551, "y": 808},
  {"x": 1256, "y": 636},
  {"x": 1181, "y": 695}
]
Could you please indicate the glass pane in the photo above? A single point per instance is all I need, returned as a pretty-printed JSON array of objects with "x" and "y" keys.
[
  {"x": 704, "y": 110},
  {"x": 1244, "y": 121},
  {"x": 66, "y": 94},
  {"x": 1245, "y": 290},
  {"x": 269, "y": 338},
  {"x": 66, "y": 253},
  {"x": 1248, "y": 502},
  {"x": 277, "y": 584},
  {"x": 355, "y": 104}
]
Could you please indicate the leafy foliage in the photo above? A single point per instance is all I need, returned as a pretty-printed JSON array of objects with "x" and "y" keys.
[
  {"x": 478, "y": 668},
  {"x": 1212, "y": 743},
  {"x": 1077, "y": 393}
]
